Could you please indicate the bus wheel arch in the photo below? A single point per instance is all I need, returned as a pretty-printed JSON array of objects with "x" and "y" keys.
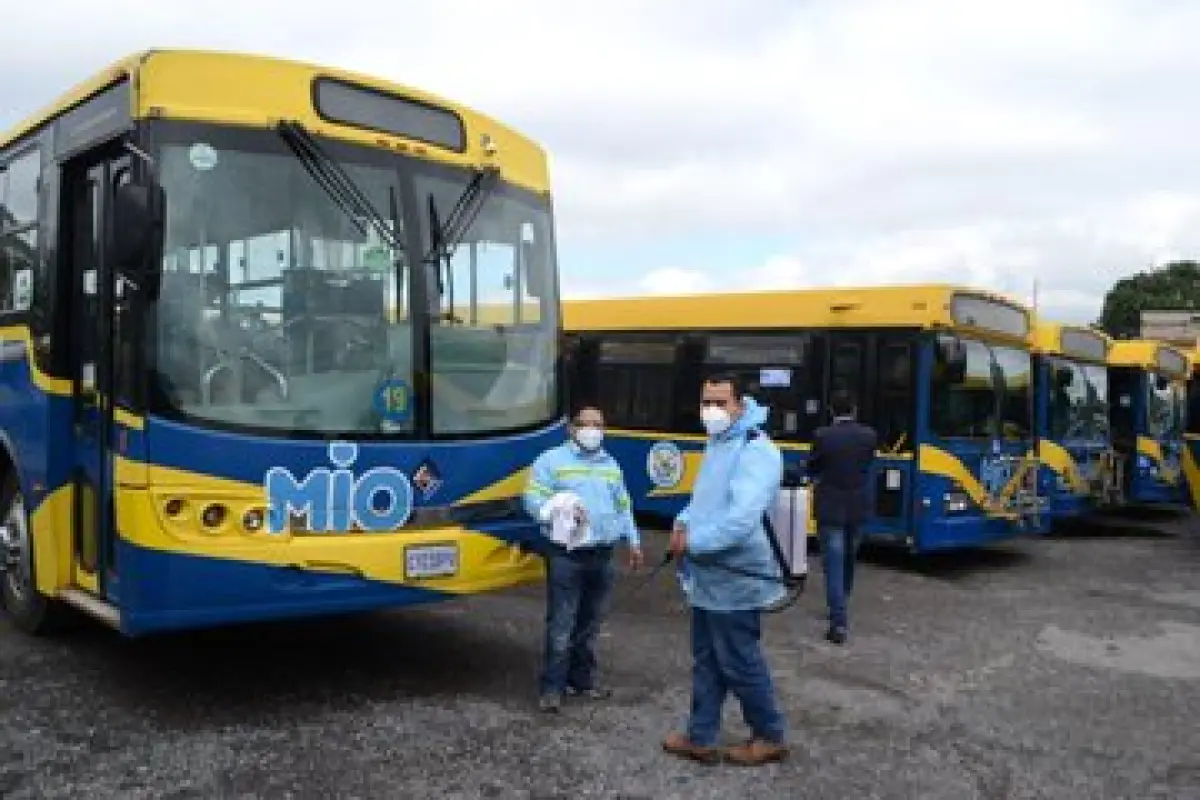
[{"x": 30, "y": 610}]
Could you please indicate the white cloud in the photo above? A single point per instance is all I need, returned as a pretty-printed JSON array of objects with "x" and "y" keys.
[{"x": 988, "y": 142}]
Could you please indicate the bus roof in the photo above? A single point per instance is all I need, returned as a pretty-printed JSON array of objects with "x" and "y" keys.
[
  {"x": 916, "y": 306},
  {"x": 258, "y": 91},
  {"x": 1151, "y": 355},
  {"x": 1079, "y": 342}
]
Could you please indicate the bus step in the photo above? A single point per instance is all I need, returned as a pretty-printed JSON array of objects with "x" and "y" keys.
[{"x": 92, "y": 606}]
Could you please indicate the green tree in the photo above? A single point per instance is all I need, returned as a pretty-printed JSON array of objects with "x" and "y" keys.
[{"x": 1174, "y": 286}]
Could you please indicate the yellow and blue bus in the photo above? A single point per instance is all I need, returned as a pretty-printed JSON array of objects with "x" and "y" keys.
[
  {"x": 943, "y": 373},
  {"x": 1147, "y": 408},
  {"x": 1080, "y": 469},
  {"x": 242, "y": 376}
]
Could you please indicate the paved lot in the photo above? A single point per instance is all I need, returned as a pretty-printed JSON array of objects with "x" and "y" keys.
[{"x": 1061, "y": 668}]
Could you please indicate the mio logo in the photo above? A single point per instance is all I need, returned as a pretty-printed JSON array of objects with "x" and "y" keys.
[{"x": 334, "y": 500}]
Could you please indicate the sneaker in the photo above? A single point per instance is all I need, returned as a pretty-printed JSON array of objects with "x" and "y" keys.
[
  {"x": 589, "y": 694},
  {"x": 549, "y": 703},
  {"x": 836, "y": 635},
  {"x": 755, "y": 753},
  {"x": 677, "y": 744}
]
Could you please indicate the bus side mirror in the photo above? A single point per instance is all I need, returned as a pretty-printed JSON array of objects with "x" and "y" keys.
[
  {"x": 1064, "y": 378},
  {"x": 1161, "y": 383},
  {"x": 137, "y": 232}
]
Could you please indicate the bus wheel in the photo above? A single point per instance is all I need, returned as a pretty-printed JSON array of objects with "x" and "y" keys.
[{"x": 32, "y": 611}]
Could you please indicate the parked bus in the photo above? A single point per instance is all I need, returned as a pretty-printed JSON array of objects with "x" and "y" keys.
[
  {"x": 1081, "y": 471},
  {"x": 239, "y": 378},
  {"x": 1147, "y": 407},
  {"x": 943, "y": 373}
]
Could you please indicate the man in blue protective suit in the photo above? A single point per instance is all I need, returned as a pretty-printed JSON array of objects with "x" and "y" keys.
[
  {"x": 722, "y": 526},
  {"x": 577, "y": 491}
]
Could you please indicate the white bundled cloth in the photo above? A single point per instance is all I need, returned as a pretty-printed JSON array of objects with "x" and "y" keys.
[{"x": 560, "y": 513}]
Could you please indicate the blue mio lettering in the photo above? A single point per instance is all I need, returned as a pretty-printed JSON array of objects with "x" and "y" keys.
[{"x": 334, "y": 500}]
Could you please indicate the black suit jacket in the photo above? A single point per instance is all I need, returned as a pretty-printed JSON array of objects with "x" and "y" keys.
[{"x": 840, "y": 466}]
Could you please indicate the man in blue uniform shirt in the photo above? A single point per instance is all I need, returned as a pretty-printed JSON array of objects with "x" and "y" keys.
[
  {"x": 577, "y": 488},
  {"x": 719, "y": 535}
]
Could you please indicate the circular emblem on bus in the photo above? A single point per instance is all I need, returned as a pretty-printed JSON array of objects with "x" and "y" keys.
[
  {"x": 393, "y": 401},
  {"x": 202, "y": 156},
  {"x": 995, "y": 473},
  {"x": 664, "y": 465}
]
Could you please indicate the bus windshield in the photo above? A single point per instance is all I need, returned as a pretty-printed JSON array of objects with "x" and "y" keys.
[
  {"x": 978, "y": 390},
  {"x": 1166, "y": 406},
  {"x": 1078, "y": 401},
  {"x": 282, "y": 308}
]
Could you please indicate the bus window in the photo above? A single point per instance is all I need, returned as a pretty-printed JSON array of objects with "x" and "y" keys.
[
  {"x": 18, "y": 231},
  {"x": 1164, "y": 408},
  {"x": 1078, "y": 401},
  {"x": 847, "y": 369},
  {"x": 962, "y": 392},
  {"x": 894, "y": 413},
  {"x": 775, "y": 369},
  {"x": 1096, "y": 376},
  {"x": 635, "y": 379},
  {"x": 1016, "y": 377}
]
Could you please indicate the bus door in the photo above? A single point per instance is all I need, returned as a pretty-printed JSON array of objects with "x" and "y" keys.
[
  {"x": 850, "y": 366},
  {"x": 848, "y": 362},
  {"x": 1126, "y": 404},
  {"x": 87, "y": 197},
  {"x": 895, "y": 419}
]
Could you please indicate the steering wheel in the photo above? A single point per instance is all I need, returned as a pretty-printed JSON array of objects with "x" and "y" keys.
[{"x": 355, "y": 344}]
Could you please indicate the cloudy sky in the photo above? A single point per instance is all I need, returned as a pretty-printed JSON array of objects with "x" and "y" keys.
[{"x": 726, "y": 144}]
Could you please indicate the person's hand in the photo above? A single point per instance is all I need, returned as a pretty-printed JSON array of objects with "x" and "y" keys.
[
  {"x": 636, "y": 558},
  {"x": 678, "y": 543}
]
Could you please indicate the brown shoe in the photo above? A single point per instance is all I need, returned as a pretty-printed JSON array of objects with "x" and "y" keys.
[
  {"x": 678, "y": 744},
  {"x": 756, "y": 752}
]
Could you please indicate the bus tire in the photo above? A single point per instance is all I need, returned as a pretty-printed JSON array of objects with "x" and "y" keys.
[{"x": 30, "y": 610}]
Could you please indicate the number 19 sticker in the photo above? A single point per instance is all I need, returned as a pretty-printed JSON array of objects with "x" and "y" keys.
[{"x": 393, "y": 400}]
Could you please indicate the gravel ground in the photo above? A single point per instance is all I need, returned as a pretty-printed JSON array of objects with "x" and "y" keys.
[{"x": 1058, "y": 668}]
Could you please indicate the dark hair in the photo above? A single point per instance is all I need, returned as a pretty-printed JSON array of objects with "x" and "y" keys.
[
  {"x": 736, "y": 384},
  {"x": 579, "y": 408},
  {"x": 841, "y": 401}
]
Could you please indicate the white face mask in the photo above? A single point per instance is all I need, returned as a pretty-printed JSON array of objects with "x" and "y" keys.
[
  {"x": 716, "y": 420},
  {"x": 589, "y": 438}
]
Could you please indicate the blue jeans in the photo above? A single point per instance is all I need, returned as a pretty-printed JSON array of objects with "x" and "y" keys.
[
  {"x": 839, "y": 549},
  {"x": 727, "y": 657},
  {"x": 579, "y": 585}
]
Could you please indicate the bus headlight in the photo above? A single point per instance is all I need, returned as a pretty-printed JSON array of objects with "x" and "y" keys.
[
  {"x": 956, "y": 502},
  {"x": 213, "y": 515},
  {"x": 253, "y": 520}
]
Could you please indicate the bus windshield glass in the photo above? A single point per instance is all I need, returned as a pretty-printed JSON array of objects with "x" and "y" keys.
[
  {"x": 1166, "y": 407},
  {"x": 492, "y": 346},
  {"x": 979, "y": 391},
  {"x": 282, "y": 307},
  {"x": 1078, "y": 401}
]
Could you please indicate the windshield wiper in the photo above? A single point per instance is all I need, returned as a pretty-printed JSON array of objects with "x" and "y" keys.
[
  {"x": 332, "y": 177},
  {"x": 444, "y": 239}
]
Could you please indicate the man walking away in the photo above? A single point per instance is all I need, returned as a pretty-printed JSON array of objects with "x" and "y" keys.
[
  {"x": 578, "y": 492},
  {"x": 840, "y": 467},
  {"x": 722, "y": 526}
]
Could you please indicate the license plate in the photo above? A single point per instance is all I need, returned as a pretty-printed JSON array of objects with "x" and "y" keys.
[{"x": 431, "y": 561}]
